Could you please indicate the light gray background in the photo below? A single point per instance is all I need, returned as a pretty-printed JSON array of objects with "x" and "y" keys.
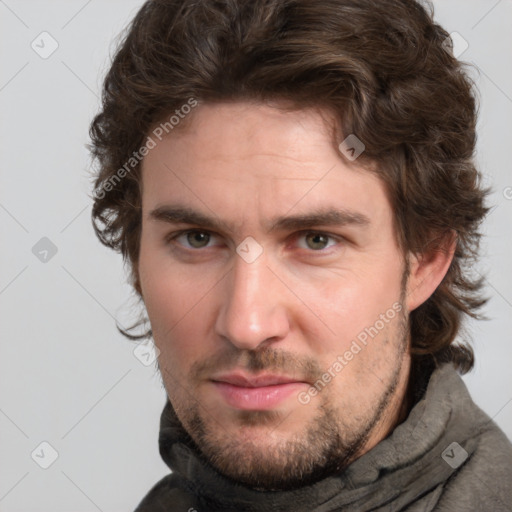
[{"x": 67, "y": 376}]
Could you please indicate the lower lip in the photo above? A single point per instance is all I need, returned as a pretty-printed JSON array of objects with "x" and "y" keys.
[{"x": 260, "y": 398}]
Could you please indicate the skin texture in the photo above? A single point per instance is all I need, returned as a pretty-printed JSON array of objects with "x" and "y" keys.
[{"x": 294, "y": 309}]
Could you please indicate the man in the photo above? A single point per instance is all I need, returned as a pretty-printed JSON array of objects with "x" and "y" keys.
[{"x": 292, "y": 185}]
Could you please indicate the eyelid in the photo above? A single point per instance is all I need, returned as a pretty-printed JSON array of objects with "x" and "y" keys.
[
  {"x": 317, "y": 232},
  {"x": 305, "y": 232},
  {"x": 171, "y": 237},
  {"x": 297, "y": 234}
]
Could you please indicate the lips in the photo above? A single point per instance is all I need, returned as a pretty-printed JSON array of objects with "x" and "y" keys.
[
  {"x": 262, "y": 392},
  {"x": 247, "y": 381}
]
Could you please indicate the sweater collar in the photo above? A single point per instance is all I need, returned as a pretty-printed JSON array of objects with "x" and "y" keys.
[{"x": 404, "y": 465}]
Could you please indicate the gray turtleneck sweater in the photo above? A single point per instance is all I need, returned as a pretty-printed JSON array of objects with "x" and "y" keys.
[{"x": 447, "y": 456}]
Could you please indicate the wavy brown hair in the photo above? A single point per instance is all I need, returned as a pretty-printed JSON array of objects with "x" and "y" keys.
[{"x": 386, "y": 71}]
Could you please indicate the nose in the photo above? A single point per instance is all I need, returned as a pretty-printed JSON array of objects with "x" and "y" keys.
[{"x": 253, "y": 310}]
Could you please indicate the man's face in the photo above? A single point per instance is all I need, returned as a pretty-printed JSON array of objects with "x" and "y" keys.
[{"x": 247, "y": 326}]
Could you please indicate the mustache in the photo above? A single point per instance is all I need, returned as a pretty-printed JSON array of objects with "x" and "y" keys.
[{"x": 255, "y": 361}]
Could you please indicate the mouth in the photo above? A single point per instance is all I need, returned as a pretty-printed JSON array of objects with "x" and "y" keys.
[{"x": 262, "y": 392}]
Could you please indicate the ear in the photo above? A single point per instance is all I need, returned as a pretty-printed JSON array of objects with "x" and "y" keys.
[{"x": 427, "y": 269}]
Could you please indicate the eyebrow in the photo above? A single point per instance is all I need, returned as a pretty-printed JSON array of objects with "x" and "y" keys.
[{"x": 319, "y": 217}]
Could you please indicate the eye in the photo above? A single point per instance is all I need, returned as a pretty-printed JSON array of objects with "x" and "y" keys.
[
  {"x": 193, "y": 239},
  {"x": 316, "y": 241}
]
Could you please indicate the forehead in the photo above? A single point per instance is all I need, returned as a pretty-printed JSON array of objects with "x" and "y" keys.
[{"x": 245, "y": 159}]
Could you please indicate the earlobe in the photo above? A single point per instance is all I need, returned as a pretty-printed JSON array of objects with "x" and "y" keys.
[{"x": 427, "y": 270}]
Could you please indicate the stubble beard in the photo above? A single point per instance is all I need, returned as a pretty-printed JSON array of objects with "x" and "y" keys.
[{"x": 324, "y": 447}]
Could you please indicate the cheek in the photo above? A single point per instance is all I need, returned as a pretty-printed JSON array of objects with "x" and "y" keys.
[
  {"x": 346, "y": 303},
  {"x": 178, "y": 328},
  {"x": 169, "y": 298},
  {"x": 176, "y": 301},
  {"x": 169, "y": 290}
]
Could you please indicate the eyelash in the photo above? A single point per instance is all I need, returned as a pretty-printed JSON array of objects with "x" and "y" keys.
[{"x": 171, "y": 238}]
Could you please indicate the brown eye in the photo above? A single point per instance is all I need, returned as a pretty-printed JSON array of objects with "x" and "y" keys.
[{"x": 198, "y": 239}]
